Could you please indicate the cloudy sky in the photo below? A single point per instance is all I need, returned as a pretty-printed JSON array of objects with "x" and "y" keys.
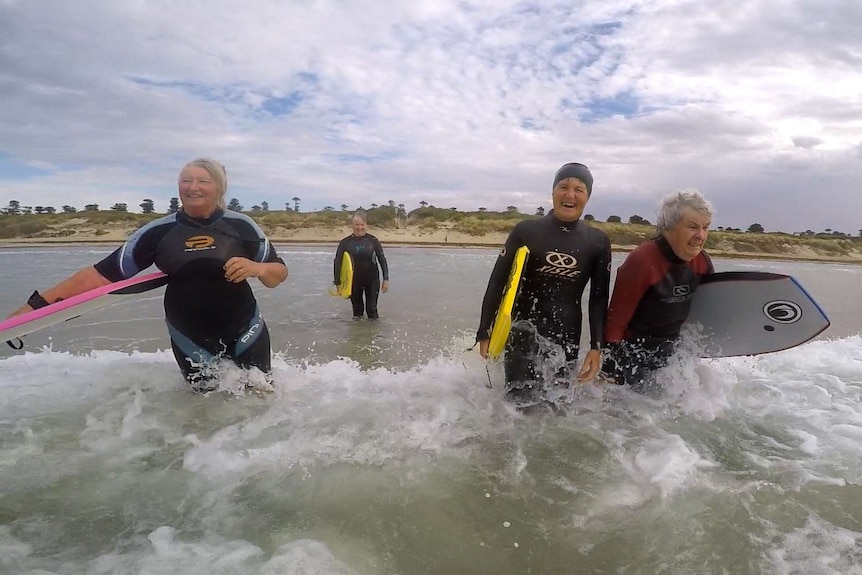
[{"x": 468, "y": 103}]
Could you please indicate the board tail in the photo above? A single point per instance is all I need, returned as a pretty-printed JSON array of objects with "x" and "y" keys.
[
  {"x": 817, "y": 305},
  {"x": 749, "y": 313}
]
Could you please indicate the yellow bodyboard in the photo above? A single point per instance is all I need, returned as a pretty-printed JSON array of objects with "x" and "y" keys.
[
  {"x": 345, "y": 279},
  {"x": 503, "y": 319}
]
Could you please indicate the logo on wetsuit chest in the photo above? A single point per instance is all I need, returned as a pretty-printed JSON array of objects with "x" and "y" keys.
[
  {"x": 678, "y": 293},
  {"x": 198, "y": 243},
  {"x": 560, "y": 264}
]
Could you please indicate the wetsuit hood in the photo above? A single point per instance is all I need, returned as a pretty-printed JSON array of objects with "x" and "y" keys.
[{"x": 575, "y": 170}]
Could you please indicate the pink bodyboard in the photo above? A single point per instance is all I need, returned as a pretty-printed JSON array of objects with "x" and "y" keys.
[{"x": 66, "y": 309}]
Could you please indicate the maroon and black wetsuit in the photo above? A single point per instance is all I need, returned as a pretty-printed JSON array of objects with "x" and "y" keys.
[
  {"x": 564, "y": 256},
  {"x": 651, "y": 300}
]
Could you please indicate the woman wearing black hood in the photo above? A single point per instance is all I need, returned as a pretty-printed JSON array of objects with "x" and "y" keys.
[{"x": 565, "y": 254}]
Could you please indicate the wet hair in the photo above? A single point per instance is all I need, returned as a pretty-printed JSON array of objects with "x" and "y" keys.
[
  {"x": 361, "y": 215},
  {"x": 218, "y": 173},
  {"x": 671, "y": 206}
]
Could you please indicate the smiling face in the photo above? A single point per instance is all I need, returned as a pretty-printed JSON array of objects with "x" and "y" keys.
[
  {"x": 358, "y": 225},
  {"x": 199, "y": 192},
  {"x": 688, "y": 236},
  {"x": 570, "y": 198}
]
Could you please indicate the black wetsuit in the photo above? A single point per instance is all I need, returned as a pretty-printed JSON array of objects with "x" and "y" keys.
[
  {"x": 365, "y": 253},
  {"x": 208, "y": 317},
  {"x": 563, "y": 258},
  {"x": 651, "y": 300}
]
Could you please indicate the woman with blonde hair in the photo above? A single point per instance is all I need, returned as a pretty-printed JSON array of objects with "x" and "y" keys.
[{"x": 209, "y": 254}]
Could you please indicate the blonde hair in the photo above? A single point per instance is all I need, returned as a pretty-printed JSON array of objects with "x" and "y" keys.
[{"x": 218, "y": 173}]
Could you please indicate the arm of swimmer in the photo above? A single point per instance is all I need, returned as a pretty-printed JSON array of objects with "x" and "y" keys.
[
  {"x": 84, "y": 280},
  {"x": 272, "y": 274}
]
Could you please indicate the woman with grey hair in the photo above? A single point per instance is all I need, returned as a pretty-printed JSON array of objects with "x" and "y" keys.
[
  {"x": 654, "y": 288},
  {"x": 208, "y": 254}
]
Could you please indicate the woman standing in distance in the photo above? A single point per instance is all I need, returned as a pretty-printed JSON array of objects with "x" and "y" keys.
[
  {"x": 208, "y": 254},
  {"x": 365, "y": 252}
]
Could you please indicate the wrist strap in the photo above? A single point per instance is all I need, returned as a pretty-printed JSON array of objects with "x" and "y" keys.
[{"x": 36, "y": 300}]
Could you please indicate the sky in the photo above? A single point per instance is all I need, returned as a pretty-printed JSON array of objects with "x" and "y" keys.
[{"x": 466, "y": 104}]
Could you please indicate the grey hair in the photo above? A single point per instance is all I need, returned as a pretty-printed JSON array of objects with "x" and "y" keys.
[
  {"x": 671, "y": 206},
  {"x": 218, "y": 173},
  {"x": 361, "y": 215}
]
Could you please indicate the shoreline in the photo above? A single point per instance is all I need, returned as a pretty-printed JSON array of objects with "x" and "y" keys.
[{"x": 417, "y": 241}]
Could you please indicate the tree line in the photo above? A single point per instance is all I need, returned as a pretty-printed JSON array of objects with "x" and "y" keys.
[{"x": 147, "y": 206}]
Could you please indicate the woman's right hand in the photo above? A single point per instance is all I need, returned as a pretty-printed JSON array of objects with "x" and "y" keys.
[{"x": 83, "y": 280}]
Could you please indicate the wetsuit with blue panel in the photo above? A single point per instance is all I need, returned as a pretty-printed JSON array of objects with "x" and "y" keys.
[
  {"x": 547, "y": 315},
  {"x": 208, "y": 316},
  {"x": 365, "y": 253}
]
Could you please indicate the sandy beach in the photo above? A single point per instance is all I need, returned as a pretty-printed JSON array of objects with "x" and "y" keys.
[
  {"x": 412, "y": 236},
  {"x": 310, "y": 235}
]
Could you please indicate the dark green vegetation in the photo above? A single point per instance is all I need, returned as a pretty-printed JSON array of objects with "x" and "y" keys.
[{"x": 477, "y": 224}]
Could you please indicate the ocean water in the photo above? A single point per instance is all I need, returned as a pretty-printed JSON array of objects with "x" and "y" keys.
[{"x": 381, "y": 448}]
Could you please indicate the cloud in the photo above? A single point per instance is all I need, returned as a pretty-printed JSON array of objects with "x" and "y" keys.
[
  {"x": 806, "y": 142},
  {"x": 463, "y": 104}
]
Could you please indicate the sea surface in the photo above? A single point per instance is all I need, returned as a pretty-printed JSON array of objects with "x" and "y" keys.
[{"x": 382, "y": 449}]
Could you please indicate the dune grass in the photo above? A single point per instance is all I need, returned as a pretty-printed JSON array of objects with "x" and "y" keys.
[{"x": 473, "y": 224}]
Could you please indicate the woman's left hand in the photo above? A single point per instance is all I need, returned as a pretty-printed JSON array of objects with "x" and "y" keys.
[
  {"x": 238, "y": 269},
  {"x": 385, "y": 286}
]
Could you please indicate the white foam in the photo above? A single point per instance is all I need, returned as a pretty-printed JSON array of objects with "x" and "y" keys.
[
  {"x": 655, "y": 467},
  {"x": 817, "y": 548},
  {"x": 305, "y": 557},
  {"x": 122, "y": 432},
  {"x": 336, "y": 413},
  {"x": 171, "y": 553}
]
